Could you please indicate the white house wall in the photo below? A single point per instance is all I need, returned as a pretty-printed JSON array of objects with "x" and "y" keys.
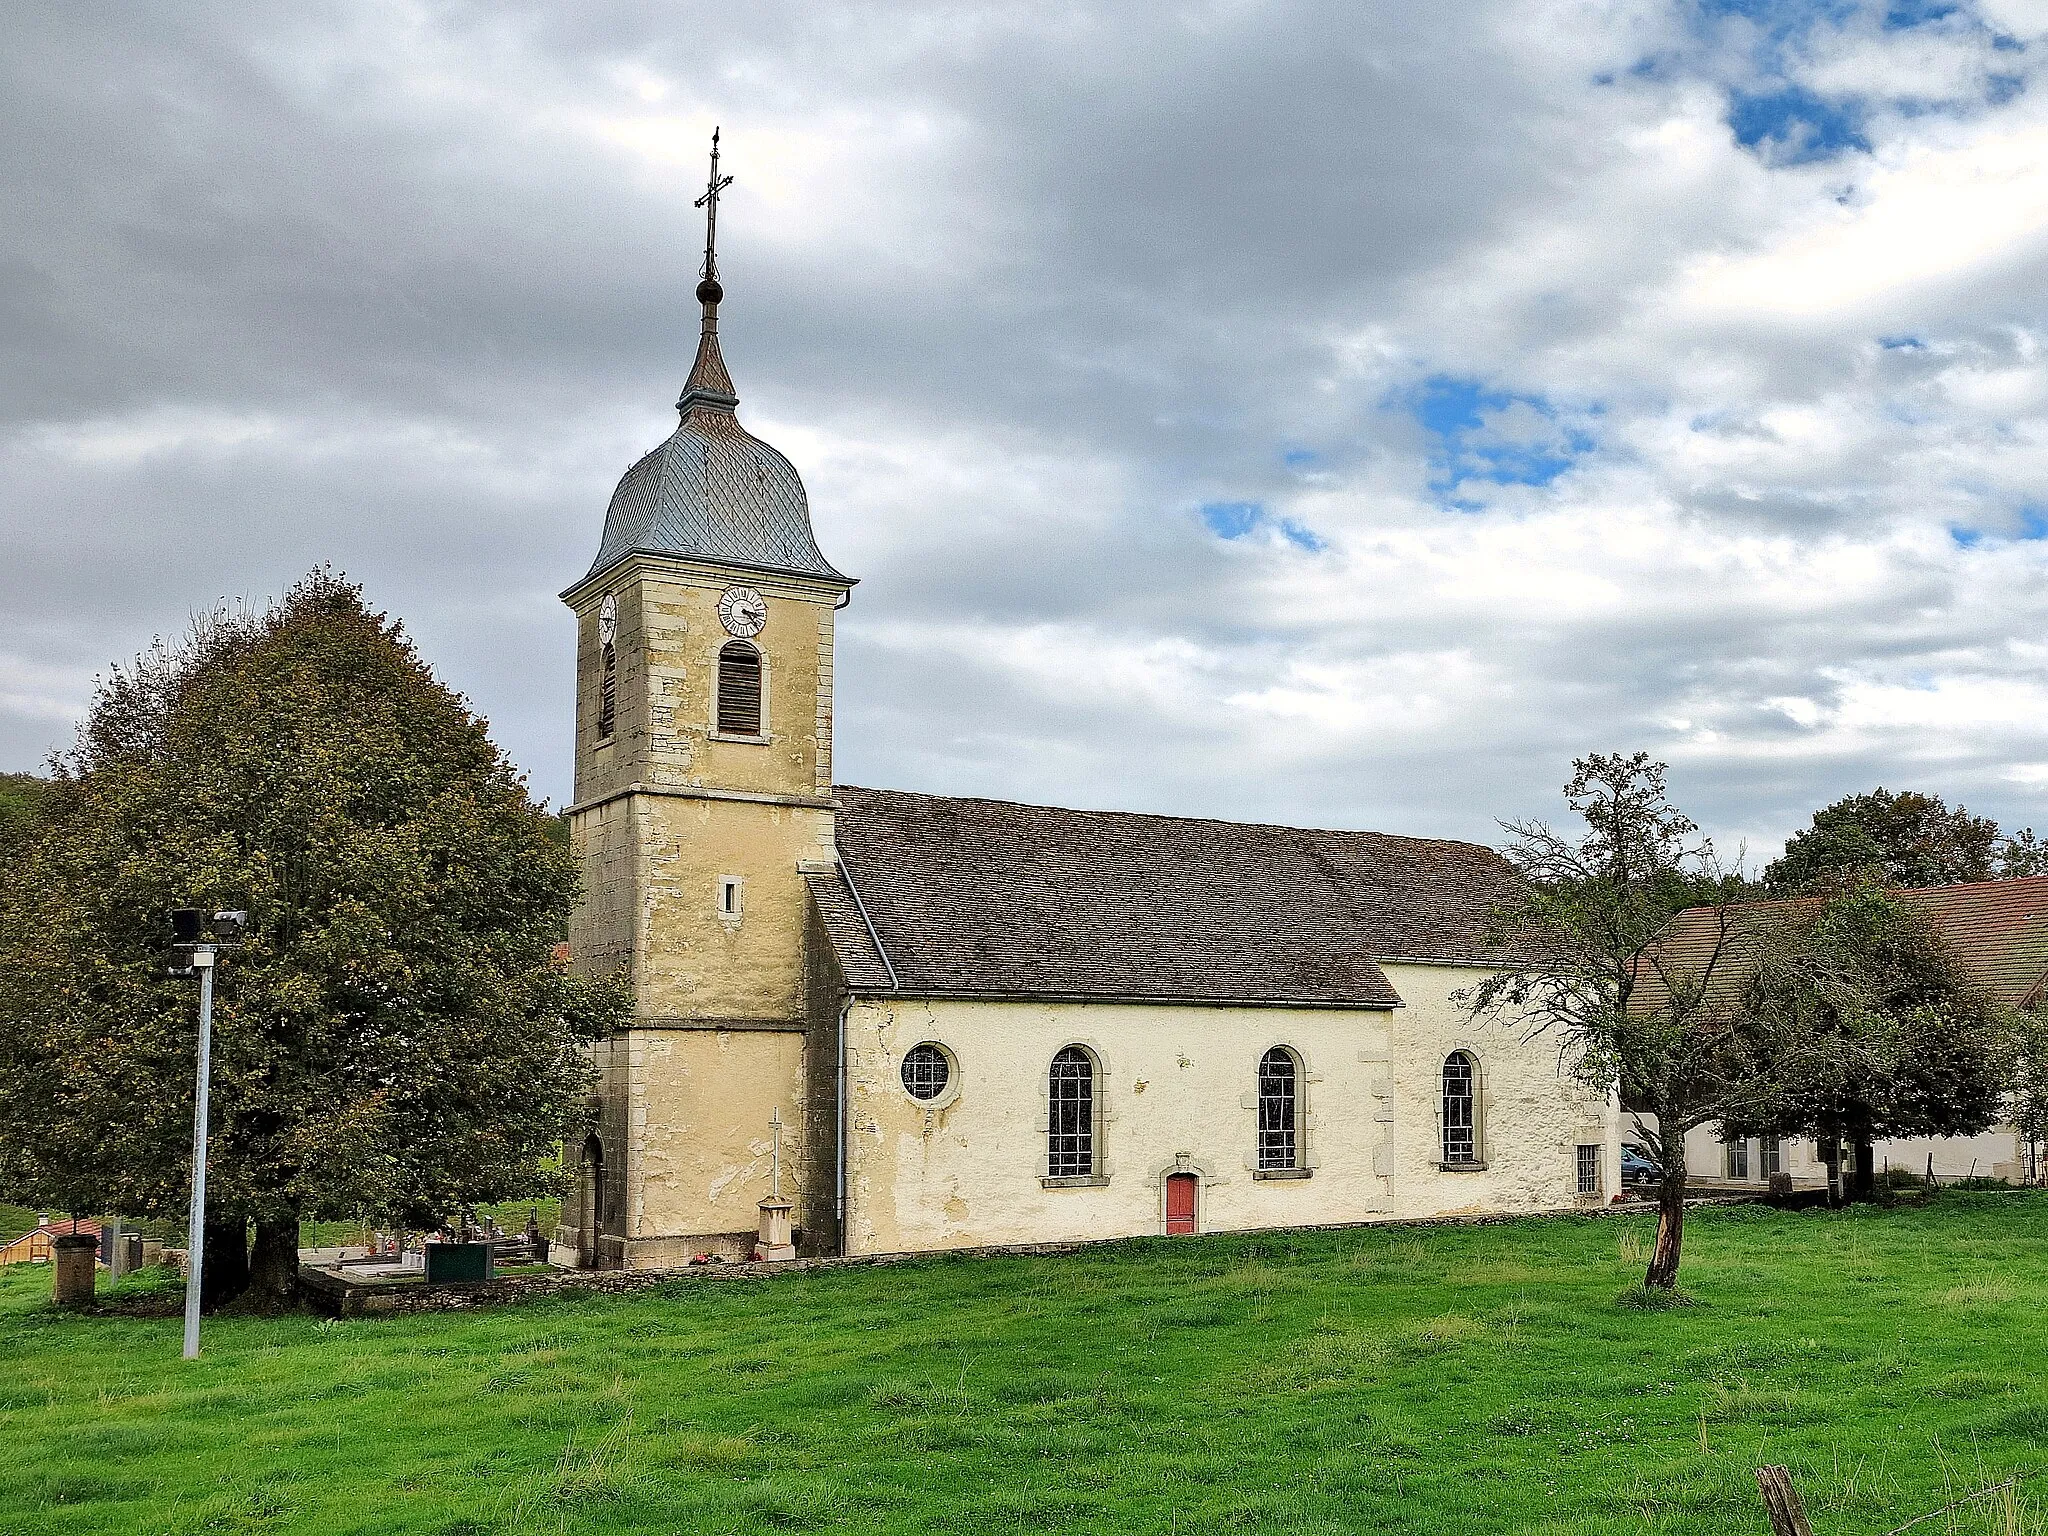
[{"x": 1995, "y": 1153}]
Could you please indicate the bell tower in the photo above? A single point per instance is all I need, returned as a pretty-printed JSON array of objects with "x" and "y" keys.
[{"x": 703, "y": 791}]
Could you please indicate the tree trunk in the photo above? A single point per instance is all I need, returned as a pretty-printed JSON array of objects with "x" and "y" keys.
[
  {"x": 1663, "y": 1270},
  {"x": 1831, "y": 1154},
  {"x": 1864, "y": 1186},
  {"x": 226, "y": 1272},
  {"x": 274, "y": 1267}
]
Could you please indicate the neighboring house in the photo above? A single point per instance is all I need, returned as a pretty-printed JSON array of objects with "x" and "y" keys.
[
  {"x": 952, "y": 1022},
  {"x": 34, "y": 1247},
  {"x": 1999, "y": 930}
]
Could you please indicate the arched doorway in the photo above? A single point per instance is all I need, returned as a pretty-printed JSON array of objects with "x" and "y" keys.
[
  {"x": 1183, "y": 1193},
  {"x": 590, "y": 1207}
]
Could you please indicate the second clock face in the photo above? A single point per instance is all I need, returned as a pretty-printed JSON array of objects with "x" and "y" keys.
[{"x": 743, "y": 612}]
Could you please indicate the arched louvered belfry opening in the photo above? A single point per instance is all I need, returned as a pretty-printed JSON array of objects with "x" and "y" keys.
[
  {"x": 608, "y": 666},
  {"x": 739, "y": 689}
]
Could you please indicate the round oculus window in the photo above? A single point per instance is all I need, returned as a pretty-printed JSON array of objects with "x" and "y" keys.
[{"x": 926, "y": 1071}]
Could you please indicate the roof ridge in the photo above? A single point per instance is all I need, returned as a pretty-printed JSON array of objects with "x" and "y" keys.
[
  {"x": 1212, "y": 821},
  {"x": 1965, "y": 885}
]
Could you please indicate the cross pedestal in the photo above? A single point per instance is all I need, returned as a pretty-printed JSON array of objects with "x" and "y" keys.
[{"x": 774, "y": 1243}]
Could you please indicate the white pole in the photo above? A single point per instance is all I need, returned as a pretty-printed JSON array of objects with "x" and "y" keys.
[{"x": 195, "y": 1238}]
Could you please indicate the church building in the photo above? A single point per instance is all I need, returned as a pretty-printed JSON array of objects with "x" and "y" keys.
[{"x": 924, "y": 1022}]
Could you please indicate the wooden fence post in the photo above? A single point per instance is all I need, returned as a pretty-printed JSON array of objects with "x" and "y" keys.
[{"x": 1781, "y": 1500}]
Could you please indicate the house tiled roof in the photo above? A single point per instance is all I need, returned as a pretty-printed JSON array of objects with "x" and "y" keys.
[
  {"x": 989, "y": 898},
  {"x": 17, "y": 1249},
  {"x": 1997, "y": 928}
]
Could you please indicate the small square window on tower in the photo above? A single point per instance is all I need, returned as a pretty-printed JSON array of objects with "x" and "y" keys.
[{"x": 731, "y": 896}]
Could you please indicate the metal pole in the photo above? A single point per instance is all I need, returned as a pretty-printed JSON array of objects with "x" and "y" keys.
[{"x": 195, "y": 1239}]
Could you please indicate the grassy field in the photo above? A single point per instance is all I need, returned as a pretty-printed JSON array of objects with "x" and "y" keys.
[{"x": 1447, "y": 1380}]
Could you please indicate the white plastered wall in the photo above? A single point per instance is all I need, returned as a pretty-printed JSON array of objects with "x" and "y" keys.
[
  {"x": 1177, "y": 1092},
  {"x": 1533, "y": 1116}
]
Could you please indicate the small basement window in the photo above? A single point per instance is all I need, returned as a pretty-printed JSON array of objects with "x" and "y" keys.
[{"x": 1589, "y": 1170}]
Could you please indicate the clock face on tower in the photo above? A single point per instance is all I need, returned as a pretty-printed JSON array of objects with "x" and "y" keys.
[{"x": 743, "y": 612}]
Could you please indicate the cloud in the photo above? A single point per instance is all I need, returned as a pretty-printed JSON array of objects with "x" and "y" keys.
[{"x": 1330, "y": 412}]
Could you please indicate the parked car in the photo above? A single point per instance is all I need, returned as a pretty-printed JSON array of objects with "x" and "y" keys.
[{"x": 1637, "y": 1168}]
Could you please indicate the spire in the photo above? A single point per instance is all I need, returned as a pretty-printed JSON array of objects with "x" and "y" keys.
[{"x": 709, "y": 384}]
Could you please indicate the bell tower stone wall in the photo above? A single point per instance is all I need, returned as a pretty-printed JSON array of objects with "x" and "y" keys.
[{"x": 694, "y": 843}]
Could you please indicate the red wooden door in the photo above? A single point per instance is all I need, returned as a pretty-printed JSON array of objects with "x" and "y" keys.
[{"x": 1180, "y": 1204}]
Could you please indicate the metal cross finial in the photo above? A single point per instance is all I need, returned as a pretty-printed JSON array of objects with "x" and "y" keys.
[
  {"x": 775, "y": 1120},
  {"x": 709, "y": 203}
]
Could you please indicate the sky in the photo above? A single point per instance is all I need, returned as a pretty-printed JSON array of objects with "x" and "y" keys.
[{"x": 1334, "y": 414}]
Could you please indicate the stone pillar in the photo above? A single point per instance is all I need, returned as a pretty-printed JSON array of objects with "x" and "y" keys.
[
  {"x": 774, "y": 1242},
  {"x": 74, "y": 1257}
]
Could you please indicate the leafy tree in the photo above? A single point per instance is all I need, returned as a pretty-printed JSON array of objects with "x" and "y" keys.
[
  {"x": 2022, "y": 854},
  {"x": 2029, "y": 1103},
  {"x": 21, "y": 794},
  {"x": 1904, "y": 839},
  {"x": 395, "y": 1033},
  {"x": 1911, "y": 1046},
  {"x": 1668, "y": 1027}
]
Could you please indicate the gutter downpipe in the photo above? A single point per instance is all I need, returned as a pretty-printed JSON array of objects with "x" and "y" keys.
[
  {"x": 846, "y": 1007},
  {"x": 839, "y": 1147}
]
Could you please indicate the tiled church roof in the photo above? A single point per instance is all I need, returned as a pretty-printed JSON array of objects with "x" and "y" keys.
[{"x": 989, "y": 898}]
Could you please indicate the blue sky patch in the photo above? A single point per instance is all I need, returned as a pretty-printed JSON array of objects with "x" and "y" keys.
[
  {"x": 1902, "y": 343},
  {"x": 1490, "y": 435},
  {"x": 1232, "y": 519},
  {"x": 2031, "y": 528},
  {"x": 1904, "y": 15},
  {"x": 1799, "y": 126},
  {"x": 1239, "y": 519}
]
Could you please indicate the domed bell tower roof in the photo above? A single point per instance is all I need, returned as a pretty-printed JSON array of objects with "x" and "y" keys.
[{"x": 714, "y": 491}]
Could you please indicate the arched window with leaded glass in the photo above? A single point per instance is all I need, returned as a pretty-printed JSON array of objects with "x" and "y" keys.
[
  {"x": 1279, "y": 1110},
  {"x": 1070, "y": 1151},
  {"x": 1460, "y": 1108}
]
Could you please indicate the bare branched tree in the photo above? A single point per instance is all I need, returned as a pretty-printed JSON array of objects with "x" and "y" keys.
[{"x": 1663, "y": 1013}]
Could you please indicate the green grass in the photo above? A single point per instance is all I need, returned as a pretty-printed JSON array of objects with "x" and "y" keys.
[{"x": 1454, "y": 1380}]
